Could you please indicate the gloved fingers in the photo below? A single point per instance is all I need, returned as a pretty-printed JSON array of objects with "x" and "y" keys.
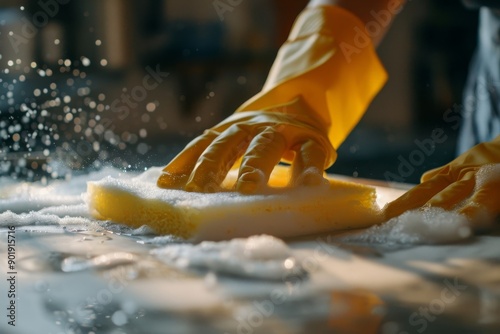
[
  {"x": 262, "y": 155},
  {"x": 455, "y": 193},
  {"x": 308, "y": 165},
  {"x": 484, "y": 205},
  {"x": 177, "y": 172},
  {"x": 416, "y": 197},
  {"x": 431, "y": 173},
  {"x": 217, "y": 159}
]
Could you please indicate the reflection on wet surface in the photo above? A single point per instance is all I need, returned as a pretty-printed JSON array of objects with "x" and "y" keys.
[
  {"x": 330, "y": 312},
  {"x": 111, "y": 284},
  {"x": 77, "y": 263}
]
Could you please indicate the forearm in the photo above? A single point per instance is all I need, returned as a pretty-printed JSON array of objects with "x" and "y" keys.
[
  {"x": 329, "y": 62},
  {"x": 380, "y": 12}
]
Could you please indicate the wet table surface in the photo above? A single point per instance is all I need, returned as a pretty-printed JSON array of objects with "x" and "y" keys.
[{"x": 350, "y": 287}]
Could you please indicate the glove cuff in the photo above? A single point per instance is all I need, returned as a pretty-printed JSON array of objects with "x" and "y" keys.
[{"x": 331, "y": 63}]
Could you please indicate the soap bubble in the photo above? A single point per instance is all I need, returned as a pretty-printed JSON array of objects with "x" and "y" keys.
[
  {"x": 119, "y": 318},
  {"x": 85, "y": 61}
]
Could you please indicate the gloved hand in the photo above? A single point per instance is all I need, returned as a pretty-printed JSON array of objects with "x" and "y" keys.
[
  {"x": 265, "y": 137},
  {"x": 470, "y": 185},
  {"x": 316, "y": 92}
]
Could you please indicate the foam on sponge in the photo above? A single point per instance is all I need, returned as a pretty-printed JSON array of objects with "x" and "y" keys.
[{"x": 283, "y": 212}]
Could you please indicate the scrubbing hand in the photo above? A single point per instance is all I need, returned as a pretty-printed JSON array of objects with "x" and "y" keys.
[
  {"x": 315, "y": 93},
  {"x": 470, "y": 185},
  {"x": 263, "y": 139}
]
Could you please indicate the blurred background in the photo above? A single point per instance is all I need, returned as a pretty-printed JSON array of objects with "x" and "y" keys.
[{"x": 87, "y": 83}]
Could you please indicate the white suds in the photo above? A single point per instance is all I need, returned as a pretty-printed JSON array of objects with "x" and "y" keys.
[
  {"x": 9, "y": 218},
  {"x": 162, "y": 240},
  {"x": 59, "y": 203},
  {"x": 23, "y": 197},
  {"x": 429, "y": 226},
  {"x": 263, "y": 257},
  {"x": 77, "y": 210},
  {"x": 486, "y": 174}
]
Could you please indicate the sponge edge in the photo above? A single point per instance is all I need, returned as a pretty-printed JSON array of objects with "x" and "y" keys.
[{"x": 282, "y": 212}]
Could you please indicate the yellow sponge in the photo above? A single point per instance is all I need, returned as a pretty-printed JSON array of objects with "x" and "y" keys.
[{"x": 224, "y": 215}]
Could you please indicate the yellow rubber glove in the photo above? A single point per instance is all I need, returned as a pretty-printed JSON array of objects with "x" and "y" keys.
[
  {"x": 470, "y": 185},
  {"x": 316, "y": 92},
  {"x": 286, "y": 132}
]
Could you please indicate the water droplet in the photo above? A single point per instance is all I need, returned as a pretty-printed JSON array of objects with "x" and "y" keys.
[
  {"x": 85, "y": 61},
  {"x": 142, "y": 148},
  {"x": 151, "y": 107}
]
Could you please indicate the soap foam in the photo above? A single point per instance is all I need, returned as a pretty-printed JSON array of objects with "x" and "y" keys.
[
  {"x": 36, "y": 201},
  {"x": 162, "y": 240},
  {"x": 23, "y": 197},
  {"x": 61, "y": 202},
  {"x": 486, "y": 174},
  {"x": 263, "y": 257},
  {"x": 76, "y": 210},
  {"x": 10, "y": 218},
  {"x": 427, "y": 226}
]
